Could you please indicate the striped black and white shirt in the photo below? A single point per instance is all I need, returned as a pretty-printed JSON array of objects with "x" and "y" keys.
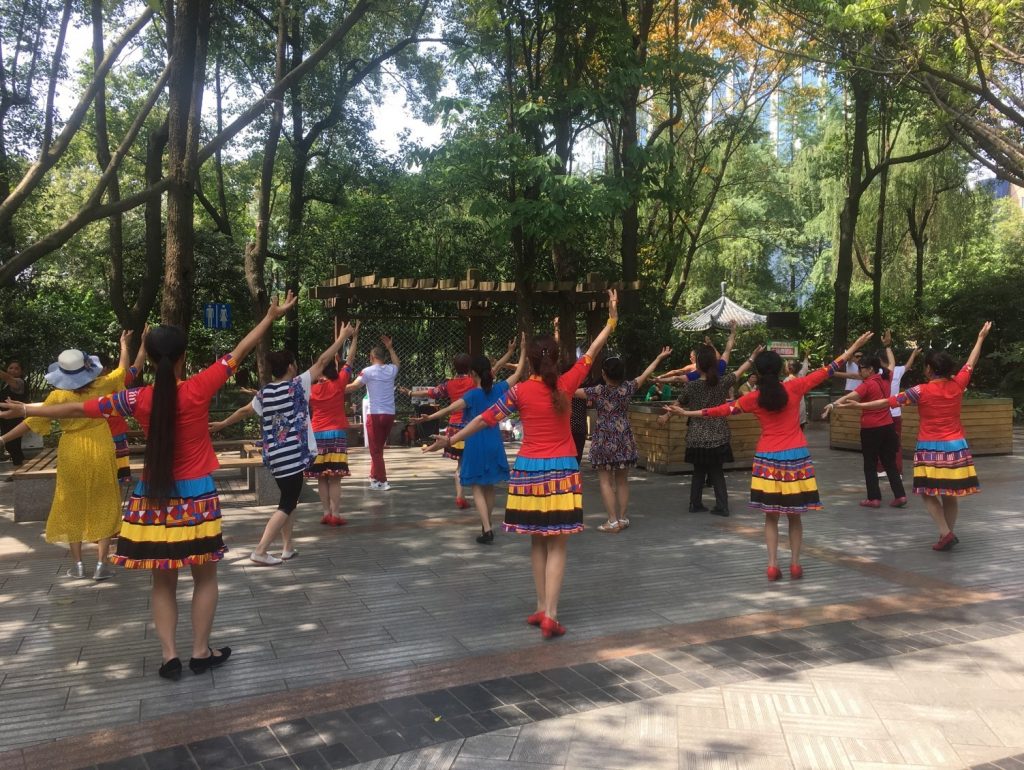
[{"x": 281, "y": 440}]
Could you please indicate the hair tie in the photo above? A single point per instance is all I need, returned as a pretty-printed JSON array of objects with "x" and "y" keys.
[{"x": 543, "y": 351}]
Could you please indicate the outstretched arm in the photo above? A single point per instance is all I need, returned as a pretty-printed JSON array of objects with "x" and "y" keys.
[
  {"x": 729, "y": 343},
  {"x": 972, "y": 359},
  {"x": 455, "y": 406},
  {"x": 328, "y": 355},
  {"x": 15, "y": 410},
  {"x": 126, "y": 338},
  {"x": 355, "y": 385},
  {"x": 498, "y": 365},
  {"x": 606, "y": 332},
  {"x": 391, "y": 349},
  {"x": 237, "y": 416},
  {"x": 852, "y": 396},
  {"x": 742, "y": 369},
  {"x": 351, "y": 359},
  {"x": 17, "y": 431},
  {"x": 275, "y": 311},
  {"x": 890, "y": 359},
  {"x": 913, "y": 356},
  {"x": 517, "y": 375},
  {"x": 476, "y": 425},
  {"x": 665, "y": 353},
  {"x": 140, "y": 357}
]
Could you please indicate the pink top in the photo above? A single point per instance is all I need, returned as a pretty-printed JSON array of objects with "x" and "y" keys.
[
  {"x": 874, "y": 388},
  {"x": 327, "y": 399},
  {"x": 546, "y": 432},
  {"x": 938, "y": 406},
  {"x": 780, "y": 430},
  {"x": 193, "y": 450},
  {"x": 453, "y": 390}
]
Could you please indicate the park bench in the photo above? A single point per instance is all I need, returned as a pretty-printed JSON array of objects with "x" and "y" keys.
[{"x": 34, "y": 482}]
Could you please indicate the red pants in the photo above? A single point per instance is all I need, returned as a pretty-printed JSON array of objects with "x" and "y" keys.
[
  {"x": 897, "y": 423},
  {"x": 378, "y": 428}
]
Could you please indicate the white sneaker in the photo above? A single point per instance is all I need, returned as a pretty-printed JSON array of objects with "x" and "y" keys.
[
  {"x": 383, "y": 486},
  {"x": 286, "y": 555},
  {"x": 265, "y": 559},
  {"x": 374, "y": 484}
]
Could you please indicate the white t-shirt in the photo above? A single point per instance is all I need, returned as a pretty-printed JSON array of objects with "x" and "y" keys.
[
  {"x": 894, "y": 388},
  {"x": 852, "y": 368},
  {"x": 275, "y": 408},
  {"x": 380, "y": 387}
]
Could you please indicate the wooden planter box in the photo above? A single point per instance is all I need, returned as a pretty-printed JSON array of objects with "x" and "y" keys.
[
  {"x": 988, "y": 425},
  {"x": 662, "y": 448}
]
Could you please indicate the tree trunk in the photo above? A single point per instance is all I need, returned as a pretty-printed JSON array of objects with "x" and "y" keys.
[
  {"x": 860, "y": 95},
  {"x": 876, "y": 270},
  {"x": 184, "y": 109},
  {"x": 297, "y": 188}
]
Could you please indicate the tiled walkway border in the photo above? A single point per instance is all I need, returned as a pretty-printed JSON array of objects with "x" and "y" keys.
[{"x": 472, "y": 704}]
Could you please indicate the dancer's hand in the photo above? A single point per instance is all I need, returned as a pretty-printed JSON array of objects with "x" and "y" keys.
[
  {"x": 613, "y": 304},
  {"x": 216, "y": 427},
  {"x": 985, "y": 329},
  {"x": 13, "y": 410},
  {"x": 440, "y": 442},
  {"x": 386, "y": 341},
  {"x": 280, "y": 309},
  {"x": 887, "y": 338},
  {"x": 665, "y": 353}
]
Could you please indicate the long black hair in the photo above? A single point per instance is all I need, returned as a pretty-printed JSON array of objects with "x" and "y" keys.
[
  {"x": 771, "y": 394},
  {"x": 542, "y": 353},
  {"x": 707, "y": 362},
  {"x": 165, "y": 345},
  {"x": 481, "y": 366}
]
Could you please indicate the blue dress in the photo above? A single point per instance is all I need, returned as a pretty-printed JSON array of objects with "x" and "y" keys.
[{"x": 483, "y": 459}]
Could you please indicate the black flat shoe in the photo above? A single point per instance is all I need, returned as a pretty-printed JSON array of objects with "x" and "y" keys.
[
  {"x": 486, "y": 538},
  {"x": 720, "y": 511},
  {"x": 201, "y": 665},
  {"x": 171, "y": 669},
  {"x": 698, "y": 509}
]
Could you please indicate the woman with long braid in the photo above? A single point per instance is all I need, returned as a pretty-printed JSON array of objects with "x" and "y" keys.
[{"x": 172, "y": 519}]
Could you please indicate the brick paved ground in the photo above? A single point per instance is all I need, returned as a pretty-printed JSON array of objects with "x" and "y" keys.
[{"x": 681, "y": 654}]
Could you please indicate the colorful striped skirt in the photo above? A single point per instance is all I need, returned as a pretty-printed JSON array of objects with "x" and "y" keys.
[
  {"x": 183, "y": 533},
  {"x": 944, "y": 468},
  {"x": 545, "y": 497},
  {"x": 454, "y": 452},
  {"x": 124, "y": 471},
  {"x": 784, "y": 483},
  {"x": 331, "y": 459}
]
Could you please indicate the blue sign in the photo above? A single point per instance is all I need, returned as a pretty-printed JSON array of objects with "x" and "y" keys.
[{"x": 217, "y": 315}]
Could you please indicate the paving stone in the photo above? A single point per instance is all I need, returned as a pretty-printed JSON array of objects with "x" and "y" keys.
[
  {"x": 257, "y": 745},
  {"x": 488, "y": 746},
  {"x": 174, "y": 758},
  {"x": 216, "y": 754}
]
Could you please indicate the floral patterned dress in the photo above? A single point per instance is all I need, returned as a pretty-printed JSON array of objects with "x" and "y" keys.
[{"x": 612, "y": 444}]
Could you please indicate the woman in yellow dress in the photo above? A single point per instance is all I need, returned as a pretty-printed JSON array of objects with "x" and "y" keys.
[{"x": 87, "y": 501}]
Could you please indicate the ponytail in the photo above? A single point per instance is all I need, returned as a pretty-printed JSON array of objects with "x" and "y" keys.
[
  {"x": 165, "y": 345},
  {"x": 772, "y": 396},
  {"x": 481, "y": 366},
  {"x": 542, "y": 353}
]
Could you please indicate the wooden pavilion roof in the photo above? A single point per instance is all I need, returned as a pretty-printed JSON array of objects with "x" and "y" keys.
[{"x": 471, "y": 291}]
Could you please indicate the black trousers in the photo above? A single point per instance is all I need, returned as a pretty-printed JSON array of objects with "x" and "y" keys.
[
  {"x": 13, "y": 447},
  {"x": 580, "y": 437},
  {"x": 716, "y": 475},
  {"x": 880, "y": 445},
  {"x": 291, "y": 488}
]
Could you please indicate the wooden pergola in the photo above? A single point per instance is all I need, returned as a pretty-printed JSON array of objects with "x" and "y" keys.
[{"x": 474, "y": 297}]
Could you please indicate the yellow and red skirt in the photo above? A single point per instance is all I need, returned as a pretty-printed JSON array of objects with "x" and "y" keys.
[
  {"x": 453, "y": 451},
  {"x": 783, "y": 482},
  {"x": 184, "y": 532},
  {"x": 944, "y": 468},
  {"x": 545, "y": 497},
  {"x": 331, "y": 459}
]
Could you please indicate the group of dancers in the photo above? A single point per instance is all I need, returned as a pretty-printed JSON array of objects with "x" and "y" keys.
[{"x": 172, "y": 518}]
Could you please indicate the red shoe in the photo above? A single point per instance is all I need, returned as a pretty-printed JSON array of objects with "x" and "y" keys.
[
  {"x": 946, "y": 542},
  {"x": 536, "y": 618},
  {"x": 870, "y": 503},
  {"x": 795, "y": 572},
  {"x": 461, "y": 503},
  {"x": 327, "y": 520},
  {"x": 899, "y": 502},
  {"x": 339, "y": 521},
  {"x": 773, "y": 573},
  {"x": 550, "y": 627}
]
